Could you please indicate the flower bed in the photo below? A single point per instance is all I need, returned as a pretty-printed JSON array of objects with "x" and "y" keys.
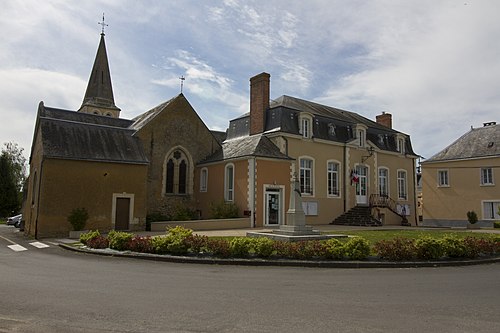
[{"x": 182, "y": 241}]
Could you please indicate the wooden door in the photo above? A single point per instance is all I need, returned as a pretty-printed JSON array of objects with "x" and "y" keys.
[{"x": 122, "y": 217}]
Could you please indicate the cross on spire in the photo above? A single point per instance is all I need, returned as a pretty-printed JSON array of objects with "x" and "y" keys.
[
  {"x": 182, "y": 78},
  {"x": 102, "y": 24}
]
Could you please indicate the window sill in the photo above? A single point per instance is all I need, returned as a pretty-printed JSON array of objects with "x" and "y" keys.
[
  {"x": 487, "y": 185},
  {"x": 443, "y": 186}
]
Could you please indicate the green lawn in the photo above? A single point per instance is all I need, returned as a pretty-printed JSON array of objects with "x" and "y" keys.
[{"x": 374, "y": 236}]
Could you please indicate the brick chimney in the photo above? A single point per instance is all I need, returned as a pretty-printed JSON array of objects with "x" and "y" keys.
[
  {"x": 385, "y": 119},
  {"x": 259, "y": 102}
]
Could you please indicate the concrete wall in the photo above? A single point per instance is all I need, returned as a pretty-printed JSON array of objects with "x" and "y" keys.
[
  {"x": 197, "y": 225},
  {"x": 67, "y": 184}
]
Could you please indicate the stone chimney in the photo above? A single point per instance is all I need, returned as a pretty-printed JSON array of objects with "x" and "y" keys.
[
  {"x": 385, "y": 119},
  {"x": 259, "y": 102}
]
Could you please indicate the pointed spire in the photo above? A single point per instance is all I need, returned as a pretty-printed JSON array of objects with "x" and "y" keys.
[{"x": 99, "y": 95}]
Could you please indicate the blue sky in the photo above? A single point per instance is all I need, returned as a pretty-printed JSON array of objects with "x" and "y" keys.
[{"x": 435, "y": 65}]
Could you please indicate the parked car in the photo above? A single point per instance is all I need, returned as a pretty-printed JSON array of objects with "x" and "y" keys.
[{"x": 15, "y": 220}]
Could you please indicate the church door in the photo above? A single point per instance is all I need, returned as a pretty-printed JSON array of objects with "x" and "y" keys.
[{"x": 122, "y": 217}]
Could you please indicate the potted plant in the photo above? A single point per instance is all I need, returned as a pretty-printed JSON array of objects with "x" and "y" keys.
[
  {"x": 78, "y": 219},
  {"x": 472, "y": 218}
]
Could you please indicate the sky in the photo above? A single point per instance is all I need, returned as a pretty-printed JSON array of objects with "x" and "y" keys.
[{"x": 433, "y": 64}]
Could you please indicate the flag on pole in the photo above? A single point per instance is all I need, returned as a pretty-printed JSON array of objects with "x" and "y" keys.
[{"x": 354, "y": 177}]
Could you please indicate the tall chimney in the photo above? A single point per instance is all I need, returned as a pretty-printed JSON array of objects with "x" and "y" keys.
[
  {"x": 259, "y": 102},
  {"x": 385, "y": 119}
]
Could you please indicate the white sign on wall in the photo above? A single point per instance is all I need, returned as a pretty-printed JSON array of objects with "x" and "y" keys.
[
  {"x": 403, "y": 210},
  {"x": 310, "y": 207}
]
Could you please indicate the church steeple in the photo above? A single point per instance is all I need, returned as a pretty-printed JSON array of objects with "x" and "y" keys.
[{"x": 99, "y": 95}]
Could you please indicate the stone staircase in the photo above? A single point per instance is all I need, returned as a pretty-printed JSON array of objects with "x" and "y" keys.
[{"x": 357, "y": 216}]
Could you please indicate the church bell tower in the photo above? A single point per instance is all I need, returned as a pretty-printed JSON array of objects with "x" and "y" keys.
[{"x": 99, "y": 98}]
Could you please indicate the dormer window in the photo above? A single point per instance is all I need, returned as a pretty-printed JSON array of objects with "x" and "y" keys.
[
  {"x": 361, "y": 134},
  {"x": 331, "y": 129},
  {"x": 400, "y": 144},
  {"x": 305, "y": 126}
]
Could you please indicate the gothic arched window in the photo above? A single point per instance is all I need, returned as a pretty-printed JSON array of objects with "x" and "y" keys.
[{"x": 177, "y": 173}]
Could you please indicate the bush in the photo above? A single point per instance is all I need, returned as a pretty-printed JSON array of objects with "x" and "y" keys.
[
  {"x": 472, "y": 217},
  {"x": 334, "y": 249},
  {"x": 196, "y": 243},
  {"x": 160, "y": 244},
  {"x": 218, "y": 247},
  {"x": 454, "y": 247},
  {"x": 428, "y": 248},
  {"x": 224, "y": 210},
  {"x": 78, "y": 218},
  {"x": 397, "y": 249},
  {"x": 98, "y": 242},
  {"x": 263, "y": 247},
  {"x": 239, "y": 246},
  {"x": 140, "y": 244},
  {"x": 496, "y": 224},
  {"x": 357, "y": 248},
  {"x": 85, "y": 237},
  {"x": 174, "y": 242},
  {"x": 118, "y": 240},
  {"x": 184, "y": 213}
]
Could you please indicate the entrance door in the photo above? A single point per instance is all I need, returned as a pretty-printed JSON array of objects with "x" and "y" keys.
[
  {"x": 362, "y": 185},
  {"x": 122, "y": 214},
  {"x": 273, "y": 207}
]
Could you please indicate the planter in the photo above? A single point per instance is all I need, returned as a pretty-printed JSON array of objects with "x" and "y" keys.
[
  {"x": 473, "y": 226},
  {"x": 76, "y": 234}
]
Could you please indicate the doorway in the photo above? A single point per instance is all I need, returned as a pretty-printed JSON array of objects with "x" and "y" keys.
[
  {"x": 362, "y": 185},
  {"x": 122, "y": 214},
  {"x": 273, "y": 205}
]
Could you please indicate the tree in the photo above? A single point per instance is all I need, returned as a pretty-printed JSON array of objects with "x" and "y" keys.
[
  {"x": 17, "y": 162},
  {"x": 9, "y": 194}
]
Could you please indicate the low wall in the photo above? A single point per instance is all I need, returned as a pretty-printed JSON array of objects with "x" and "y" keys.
[
  {"x": 453, "y": 223},
  {"x": 198, "y": 225}
]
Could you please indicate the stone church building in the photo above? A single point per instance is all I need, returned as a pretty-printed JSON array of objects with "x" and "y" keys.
[{"x": 167, "y": 159}]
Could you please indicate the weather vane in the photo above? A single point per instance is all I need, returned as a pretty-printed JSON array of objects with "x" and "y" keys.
[
  {"x": 182, "y": 78},
  {"x": 102, "y": 24}
]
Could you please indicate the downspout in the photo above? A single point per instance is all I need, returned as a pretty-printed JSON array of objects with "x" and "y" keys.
[
  {"x": 252, "y": 193},
  {"x": 415, "y": 203},
  {"x": 344, "y": 190}
]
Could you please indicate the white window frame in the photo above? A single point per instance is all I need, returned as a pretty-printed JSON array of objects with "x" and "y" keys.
[
  {"x": 204, "y": 180},
  {"x": 335, "y": 175},
  {"x": 229, "y": 182},
  {"x": 443, "y": 178},
  {"x": 362, "y": 137},
  {"x": 402, "y": 185},
  {"x": 380, "y": 182},
  {"x": 400, "y": 143},
  {"x": 488, "y": 180},
  {"x": 306, "y": 126},
  {"x": 492, "y": 210},
  {"x": 307, "y": 170}
]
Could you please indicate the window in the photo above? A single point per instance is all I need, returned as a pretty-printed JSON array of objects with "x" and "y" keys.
[
  {"x": 491, "y": 210},
  {"x": 400, "y": 144},
  {"x": 176, "y": 173},
  {"x": 402, "y": 185},
  {"x": 383, "y": 181},
  {"x": 333, "y": 179},
  {"x": 487, "y": 176},
  {"x": 203, "y": 180},
  {"x": 229, "y": 182},
  {"x": 362, "y": 137},
  {"x": 306, "y": 176},
  {"x": 443, "y": 180},
  {"x": 305, "y": 126}
]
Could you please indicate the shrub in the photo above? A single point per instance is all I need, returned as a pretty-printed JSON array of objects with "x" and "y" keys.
[
  {"x": 98, "y": 242},
  {"x": 496, "y": 224},
  {"x": 224, "y": 210},
  {"x": 239, "y": 246},
  {"x": 179, "y": 232},
  {"x": 196, "y": 243},
  {"x": 160, "y": 244},
  {"x": 397, "y": 249},
  {"x": 78, "y": 218},
  {"x": 334, "y": 249},
  {"x": 85, "y": 237},
  {"x": 454, "y": 247},
  {"x": 472, "y": 217},
  {"x": 218, "y": 247},
  {"x": 315, "y": 249},
  {"x": 118, "y": 240},
  {"x": 357, "y": 248},
  {"x": 263, "y": 247},
  {"x": 140, "y": 244},
  {"x": 174, "y": 242},
  {"x": 428, "y": 248},
  {"x": 184, "y": 213}
]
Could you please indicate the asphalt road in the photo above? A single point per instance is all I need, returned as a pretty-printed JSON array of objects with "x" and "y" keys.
[{"x": 54, "y": 290}]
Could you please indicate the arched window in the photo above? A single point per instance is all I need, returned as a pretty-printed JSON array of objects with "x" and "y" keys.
[
  {"x": 306, "y": 175},
  {"x": 177, "y": 173}
]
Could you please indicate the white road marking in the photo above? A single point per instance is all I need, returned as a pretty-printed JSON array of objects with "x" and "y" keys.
[
  {"x": 17, "y": 248},
  {"x": 39, "y": 245}
]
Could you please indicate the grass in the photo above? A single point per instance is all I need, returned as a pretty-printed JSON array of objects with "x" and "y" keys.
[{"x": 374, "y": 236}]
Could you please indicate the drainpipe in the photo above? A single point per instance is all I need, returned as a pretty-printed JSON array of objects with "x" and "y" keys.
[
  {"x": 415, "y": 193},
  {"x": 345, "y": 178},
  {"x": 252, "y": 193}
]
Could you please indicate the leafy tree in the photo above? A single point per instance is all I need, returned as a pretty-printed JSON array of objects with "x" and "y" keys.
[
  {"x": 17, "y": 162},
  {"x": 9, "y": 193}
]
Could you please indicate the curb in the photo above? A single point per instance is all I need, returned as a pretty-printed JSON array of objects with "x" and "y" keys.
[{"x": 286, "y": 262}]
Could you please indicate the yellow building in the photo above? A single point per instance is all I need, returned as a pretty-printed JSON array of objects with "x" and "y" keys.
[{"x": 462, "y": 178}]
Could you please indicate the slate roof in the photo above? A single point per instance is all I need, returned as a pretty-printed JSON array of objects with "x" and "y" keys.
[
  {"x": 329, "y": 123},
  {"x": 255, "y": 145},
  {"x": 478, "y": 142},
  {"x": 78, "y": 136},
  {"x": 146, "y": 117}
]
